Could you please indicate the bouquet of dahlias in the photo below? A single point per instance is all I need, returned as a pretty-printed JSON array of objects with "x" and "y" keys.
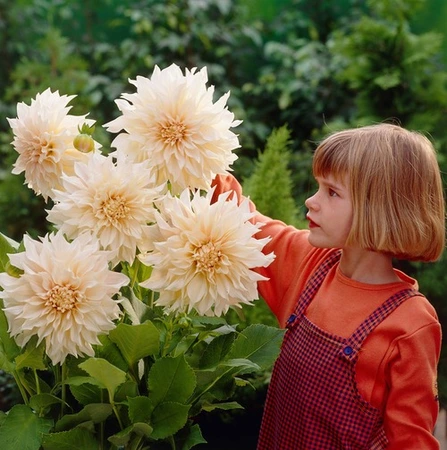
[{"x": 113, "y": 325}]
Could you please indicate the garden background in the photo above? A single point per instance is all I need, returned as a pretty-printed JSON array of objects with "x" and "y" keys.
[{"x": 296, "y": 69}]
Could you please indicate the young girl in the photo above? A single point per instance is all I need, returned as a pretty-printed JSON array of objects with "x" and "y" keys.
[{"x": 357, "y": 368}]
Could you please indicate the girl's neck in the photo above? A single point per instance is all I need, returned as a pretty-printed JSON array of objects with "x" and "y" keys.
[{"x": 367, "y": 267}]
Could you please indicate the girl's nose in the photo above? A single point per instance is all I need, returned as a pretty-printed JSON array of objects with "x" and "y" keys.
[{"x": 311, "y": 202}]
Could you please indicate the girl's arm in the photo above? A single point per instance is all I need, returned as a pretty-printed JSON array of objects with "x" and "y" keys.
[{"x": 412, "y": 407}]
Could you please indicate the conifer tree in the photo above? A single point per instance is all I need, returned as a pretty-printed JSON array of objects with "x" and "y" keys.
[{"x": 270, "y": 185}]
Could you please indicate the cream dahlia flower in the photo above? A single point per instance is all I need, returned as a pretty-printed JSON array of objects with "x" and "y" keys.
[
  {"x": 172, "y": 121},
  {"x": 43, "y": 137},
  {"x": 112, "y": 200},
  {"x": 203, "y": 254},
  {"x": 64, "y": 296}
]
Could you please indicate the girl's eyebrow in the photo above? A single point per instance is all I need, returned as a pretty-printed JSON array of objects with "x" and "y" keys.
[{"x": 329, "y": 184}]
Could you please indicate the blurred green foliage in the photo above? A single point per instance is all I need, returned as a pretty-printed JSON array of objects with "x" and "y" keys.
[
  {"x": 270, "y": 184},
  {"x": 314, "y": 66}
]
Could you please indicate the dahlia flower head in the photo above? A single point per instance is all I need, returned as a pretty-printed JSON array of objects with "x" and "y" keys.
[
  {"x": 64, "y": 295},
  {"x": 203, "y": 254},
  {"x": 113, "y": 200},
  {"x": 43, "y": 138},
  {"x": 172, "y": 121}
]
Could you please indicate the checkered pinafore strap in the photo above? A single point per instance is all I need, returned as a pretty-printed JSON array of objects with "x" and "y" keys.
[
  {"x": 313, "y": 285},
  {"x": 353, "y": 344}
]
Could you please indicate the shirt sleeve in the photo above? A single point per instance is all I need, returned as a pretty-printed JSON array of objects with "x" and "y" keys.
[{"x": 412, "y": 406}]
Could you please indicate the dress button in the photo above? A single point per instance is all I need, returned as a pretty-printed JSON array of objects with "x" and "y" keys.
[
  {"x": 291, "y": 319},
  {"x": 348, "y": 350}
]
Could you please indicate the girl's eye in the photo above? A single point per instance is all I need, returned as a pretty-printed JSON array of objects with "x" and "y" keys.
[{"x": 332, "y": 193}]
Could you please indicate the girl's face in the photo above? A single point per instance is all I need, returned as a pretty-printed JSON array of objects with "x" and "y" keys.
[{"x": 330, "y": 213}]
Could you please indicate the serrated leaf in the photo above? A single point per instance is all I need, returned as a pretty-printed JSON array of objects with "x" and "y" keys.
[
  {"x": 122, "y": 438},
  {"x": 140, "y": 409},
  {"x": 127, "y": 389},
  {"x": 219, "y": 382},
  {"x": 224, "y": 406},
  {"x": 171, "y": 379},
  {"x": 189, "y": 437},
  {"x": 258, "y": 343},
  {"x": 94, "y": 412},
  {"x": 86, "y": 393},
  {"x": 41, "y": 401},
  {"x": 75, "y": 439},
  {"x": 168, "y": 418},
  {"x": 32, "y": 357},
  {"x": 136, "y": 341},
  {"x": 22, "y": 429},
  {"x": 109, "y": 351},
  {"x": 216, "y": 351},
  {"x": 109, "y": 376},
  {"x": 79, "y": 381}
]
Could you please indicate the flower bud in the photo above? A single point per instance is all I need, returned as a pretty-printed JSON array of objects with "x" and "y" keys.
[
  {"x": 84, "y": 143},
  {"x": 184, "y": 322}
]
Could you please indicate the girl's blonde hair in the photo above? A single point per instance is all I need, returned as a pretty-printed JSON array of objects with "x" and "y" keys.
[{"x": 396, "y": 188}]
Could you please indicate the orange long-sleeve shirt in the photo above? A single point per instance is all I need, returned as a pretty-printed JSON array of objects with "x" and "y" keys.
[{"x": 397, "y": 366}]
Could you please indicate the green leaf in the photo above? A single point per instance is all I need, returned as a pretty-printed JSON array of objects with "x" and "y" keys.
[
  {"x": 135, "y": 308},
  {"x": 185, "y": 344},
  {"x": 171, "y": 379},
  {"x": 219, "y": 382},
  {"x": 109, "y": 376},
  {"x": 216, "y": 351},
  {"x": 94, "y": 412},
  {"x": 140, "y": 409},
  {"x": 127, "y": 389},
  {"x": 242, "y": 365},
  {"x": 41, "y": 401},
  {"x": 208, "y": 407},
  {"x": 108, "y": 350},
  {"x": 86, "y": 393},
  {"x": 167, "y": 418},
  {"x": 32, "y": 357},
  {"x": 3, "y": 416},
  {"x": 79, "y": 381},
  {"x": 8, "y": 347},
  {"x": 258, "y": 343},
  {"x": 7, "y": 245},
  {"x": 122, "y": 438},
  {"x": 75, "y": 439},
  {"x": 136, "y": 341},
  {"x": 189, "y": 437},
  {"x": 22, "y": 429}
]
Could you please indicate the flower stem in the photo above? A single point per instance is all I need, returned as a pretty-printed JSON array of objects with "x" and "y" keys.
[
  {"x": 117, "y": 414},
  {"x": 172, "y": 442},
  {"x": 63, "y": 387},
  {"x": 22, "y": 390},
  {"x": 36, "y": 378}
]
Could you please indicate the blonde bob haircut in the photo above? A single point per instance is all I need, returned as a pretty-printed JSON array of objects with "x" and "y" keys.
[{"x": 396, "y": 189}]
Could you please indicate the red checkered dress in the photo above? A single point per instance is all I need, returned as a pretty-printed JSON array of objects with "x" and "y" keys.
[{"x": 313, "y": 402}]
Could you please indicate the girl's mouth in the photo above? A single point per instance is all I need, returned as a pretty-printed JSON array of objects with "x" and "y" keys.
[{"x": 312, "y": 224}]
